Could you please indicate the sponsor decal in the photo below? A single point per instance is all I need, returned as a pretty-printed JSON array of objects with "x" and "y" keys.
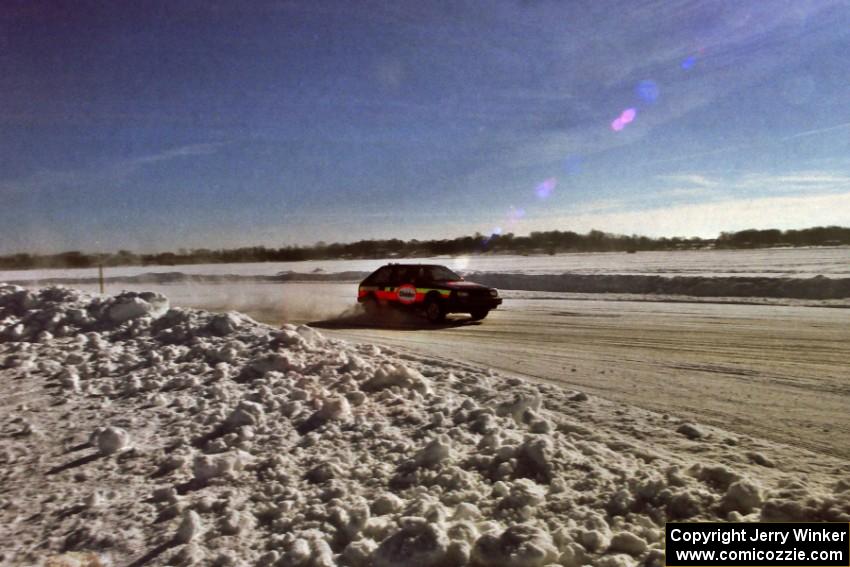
[{"x": 406, "y": 294}]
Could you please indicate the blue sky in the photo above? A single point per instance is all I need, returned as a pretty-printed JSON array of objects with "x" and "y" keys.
[{"x": 187, "y": 124}]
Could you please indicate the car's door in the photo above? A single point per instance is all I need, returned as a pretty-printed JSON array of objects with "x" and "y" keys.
[{"x": 405, "y": 290}]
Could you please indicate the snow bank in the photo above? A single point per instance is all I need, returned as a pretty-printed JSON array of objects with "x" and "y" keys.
[{"x": 181, "y": 437}]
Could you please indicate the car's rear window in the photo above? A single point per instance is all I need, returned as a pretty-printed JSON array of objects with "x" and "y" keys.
[{"x": 382, "y": 276}]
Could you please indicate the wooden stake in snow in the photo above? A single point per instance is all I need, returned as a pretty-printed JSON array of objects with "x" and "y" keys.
[{"x": 100, "y": 277}]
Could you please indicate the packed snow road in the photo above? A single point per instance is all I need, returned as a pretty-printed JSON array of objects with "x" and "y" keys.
[{"x": 776, "y": 372}]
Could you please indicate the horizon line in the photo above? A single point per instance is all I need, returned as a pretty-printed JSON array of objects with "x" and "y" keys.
[{"x": 477, "y": 234}]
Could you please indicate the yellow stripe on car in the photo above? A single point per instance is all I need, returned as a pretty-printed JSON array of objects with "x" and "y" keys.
[{"x": 443, "y": 292}]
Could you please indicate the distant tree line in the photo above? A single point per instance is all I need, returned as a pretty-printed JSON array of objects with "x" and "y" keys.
[
  {"x": 817, "y": 236},
  {"x": 548, "y": 242}
]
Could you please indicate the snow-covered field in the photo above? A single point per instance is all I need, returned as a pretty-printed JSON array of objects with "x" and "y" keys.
[
  {"x": 774, "y": 262},
  {"x": 816, "y": 274},
  {"x": 149, "y": 435}
]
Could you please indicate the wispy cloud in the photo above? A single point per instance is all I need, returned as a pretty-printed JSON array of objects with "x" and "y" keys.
[
  {"x": 738, "y": 147},
  {"x": 738, "y": 44},
  {"x": 701, "y": 192},
  {"x": 801, "y": 181},
  {"x": 178, "y": 152},
  {"x": 602, "y": 205},
  {"x": 688, "y": 192},
  {"x": 693, "y": 179},
  {"x": 709, "y": 219},
  {"x": 815, "y": 132},
  {"x": 110, "y": 172}
]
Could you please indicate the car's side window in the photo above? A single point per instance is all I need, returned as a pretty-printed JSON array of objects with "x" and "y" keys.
[{"x": 405, "y": 275}]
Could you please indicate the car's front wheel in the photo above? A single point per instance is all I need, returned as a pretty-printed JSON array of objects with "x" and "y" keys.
[
  {"x": 479, "y": 314},
  {"x": 434, "y": 311}
]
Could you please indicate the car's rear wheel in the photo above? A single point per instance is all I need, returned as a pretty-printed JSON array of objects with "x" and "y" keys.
[
  {"x": 479, "y": 314},
  {"x": 434, "y": 311}
]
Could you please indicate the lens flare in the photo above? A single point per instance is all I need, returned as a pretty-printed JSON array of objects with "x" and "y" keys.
[
  {"x": 515, "y": 214},
  {"x": 647, "y": 90},
  {"x": 626, "y": 117},
  {"x": 545, "y": 189},
  {"x": 495, "y": 233},
  {"x": 689, "y": 62}
]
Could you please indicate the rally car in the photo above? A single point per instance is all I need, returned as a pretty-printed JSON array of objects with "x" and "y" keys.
[{"x": 432, "y": 289}]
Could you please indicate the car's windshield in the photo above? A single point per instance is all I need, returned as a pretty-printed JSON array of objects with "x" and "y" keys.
[{"x": 441, "y": 274}]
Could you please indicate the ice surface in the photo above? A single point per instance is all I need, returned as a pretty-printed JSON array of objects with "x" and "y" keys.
[{"x": 310, "y": 291}]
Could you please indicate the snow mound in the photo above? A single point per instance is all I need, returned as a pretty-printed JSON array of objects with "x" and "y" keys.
[
  {"x": 112, "y": 440},
  {"x": 33, "y": 315},
  {"x": 518, "y": 546},
  {"x": 388, "y": 376},
  {"x": 417, "y": 543},
  {"x": 221, "y": 441}
]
